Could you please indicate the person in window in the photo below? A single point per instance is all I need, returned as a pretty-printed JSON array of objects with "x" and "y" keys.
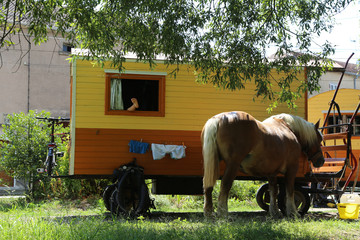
[{"x": 134, "y": 106}]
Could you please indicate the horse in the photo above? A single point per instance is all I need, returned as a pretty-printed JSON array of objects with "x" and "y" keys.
[{"x": 263, "y": 149}]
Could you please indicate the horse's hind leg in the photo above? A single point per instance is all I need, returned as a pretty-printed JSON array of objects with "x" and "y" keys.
[
  {"x": 291, "y": 210},
  {"x": 273, "y": 208},
  {"x": 226, "y": 183},
  {"x": 208, "y": 204}
]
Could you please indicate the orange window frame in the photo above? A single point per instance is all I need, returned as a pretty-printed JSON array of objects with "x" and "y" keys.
[{"x": 161, "y": 98}]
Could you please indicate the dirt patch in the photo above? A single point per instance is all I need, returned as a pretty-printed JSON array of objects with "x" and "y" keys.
[{"x": 322, "y": 213}]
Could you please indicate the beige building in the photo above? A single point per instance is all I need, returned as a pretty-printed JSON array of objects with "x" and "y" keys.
[
  {"x": 35, "y": 77},
  {"x": 330, "y": 79}
]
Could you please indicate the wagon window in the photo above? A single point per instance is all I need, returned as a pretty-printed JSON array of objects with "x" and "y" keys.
[
  {"x": 334, "y": 121},
  {"x": 356, "y": 126},
  {"x": 132, "y": 94},
  {"x": 345, "y": 119}
]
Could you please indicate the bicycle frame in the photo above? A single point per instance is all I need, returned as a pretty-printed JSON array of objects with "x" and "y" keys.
[{"x": 50, "y": 161}]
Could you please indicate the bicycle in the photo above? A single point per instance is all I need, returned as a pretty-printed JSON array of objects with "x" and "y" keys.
[{"x": 50, "y": 161}]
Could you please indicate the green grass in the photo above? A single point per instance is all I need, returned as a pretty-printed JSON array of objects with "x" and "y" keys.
[
  {"x": 88, "y": 219},
  {"x": 179, "y": 203}
]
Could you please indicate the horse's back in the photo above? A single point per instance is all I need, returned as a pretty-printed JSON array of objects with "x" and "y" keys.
[
  {"x": 261, "y": 148},
  {"x": 235, "y": 116},
  {"x": 232, "y": 123},
  {"x": 237, "y": 134}
]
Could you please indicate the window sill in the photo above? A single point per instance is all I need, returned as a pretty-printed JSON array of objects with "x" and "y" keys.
[{"x": 135, "y": 113}]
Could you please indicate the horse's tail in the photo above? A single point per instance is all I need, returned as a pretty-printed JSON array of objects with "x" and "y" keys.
[{"x": 210, "y": 153}]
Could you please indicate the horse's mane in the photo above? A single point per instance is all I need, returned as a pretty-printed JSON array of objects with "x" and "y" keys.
[{"x": 303, "y": 129}]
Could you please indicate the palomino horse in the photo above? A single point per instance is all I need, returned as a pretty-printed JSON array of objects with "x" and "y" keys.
[{"x": 256, "y": 148}]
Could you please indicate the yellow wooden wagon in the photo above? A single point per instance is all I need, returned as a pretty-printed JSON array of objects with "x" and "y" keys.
[
  {"x": 100, "y": 135},
  {"x": 169, "y": 111}
]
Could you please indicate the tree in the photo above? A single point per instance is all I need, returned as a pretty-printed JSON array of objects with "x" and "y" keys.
[
  {"x": 227, "y": 41},
  {"x": 25, "y": 147},
  {"x": 27, "y": 20}
]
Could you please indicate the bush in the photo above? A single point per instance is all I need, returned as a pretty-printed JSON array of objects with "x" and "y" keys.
[
  {"x": 24, "y": 149},
  {"x": 240, "y": 190},
  {"x": 244, "y": 190}
]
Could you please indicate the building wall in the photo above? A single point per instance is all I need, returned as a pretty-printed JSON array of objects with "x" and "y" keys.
[
  {"x": 100, "y": 142},
  {"x": 35, "y": 80},
  {"x": 330, "y": 77}
]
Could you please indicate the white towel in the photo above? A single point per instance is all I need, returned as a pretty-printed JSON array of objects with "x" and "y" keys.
[{"x": 160, "y": 150}]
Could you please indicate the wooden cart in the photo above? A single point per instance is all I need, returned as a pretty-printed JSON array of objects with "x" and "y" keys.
[{"x": 172, "y": 111}]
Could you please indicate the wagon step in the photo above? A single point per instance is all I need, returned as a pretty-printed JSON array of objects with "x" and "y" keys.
[
  {"x": 326, "y": 175},
  {"x": 333, "y": 166}
]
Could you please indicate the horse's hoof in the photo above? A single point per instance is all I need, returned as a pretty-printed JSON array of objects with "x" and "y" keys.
[
  {"x": 294, "y": 215},
  {"x": 276, "y": 215},
  {"x": 222, "y": 216},
  {"x": 209, "y": 216},
  {"x": 222, "y": 213}
]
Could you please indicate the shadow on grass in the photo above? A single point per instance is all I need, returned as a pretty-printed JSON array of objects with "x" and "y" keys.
[{"x": 158, "y": 216}]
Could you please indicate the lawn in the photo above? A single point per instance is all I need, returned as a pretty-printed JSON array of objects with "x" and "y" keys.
[{"x": 181, "y": 219}]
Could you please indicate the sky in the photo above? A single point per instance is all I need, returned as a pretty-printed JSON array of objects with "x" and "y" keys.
[{"x": 345, "y": 34}]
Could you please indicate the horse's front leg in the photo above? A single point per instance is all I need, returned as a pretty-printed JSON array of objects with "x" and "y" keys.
[
  {"x": 208, "y": 204},
  {"x": 273, "y": 189},
  {"x": 291, "y": 210}
]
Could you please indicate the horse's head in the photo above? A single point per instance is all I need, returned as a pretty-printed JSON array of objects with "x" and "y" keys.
[{"x": 314, "y": 152}]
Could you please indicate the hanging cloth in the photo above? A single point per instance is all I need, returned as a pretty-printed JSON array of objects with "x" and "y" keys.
[
  {"x": 138, "y": 147},
  {"x": 160, "y": 150},
  {"x": 116, "y": 102}
]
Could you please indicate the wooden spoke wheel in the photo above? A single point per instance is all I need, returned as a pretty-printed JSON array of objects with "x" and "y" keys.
[
  {"x": 263, "y": 197},
  {"x": 301, "y": 197}
]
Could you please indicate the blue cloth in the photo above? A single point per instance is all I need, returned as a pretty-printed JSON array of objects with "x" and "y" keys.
[{"x": 138, "y": 147}]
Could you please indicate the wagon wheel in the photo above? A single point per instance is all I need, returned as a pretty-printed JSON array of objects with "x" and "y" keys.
[
  {"x": 132, "y": 202},
  {"x": 263, "y": 197},
  {"x": 301, "y": 197},
  {"x": 114, "y": 207},
  {"x": 107, "y": 196}
]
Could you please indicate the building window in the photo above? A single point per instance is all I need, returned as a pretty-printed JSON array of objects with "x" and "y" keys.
[
  {"x": 333, "y": 120},
  {"x": 135, "y": 94},
  {"x": 66, "y": 48},
  {"x": 332, "y": 86}
]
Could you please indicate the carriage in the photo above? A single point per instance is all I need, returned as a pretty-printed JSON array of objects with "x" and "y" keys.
[{"x": 158, "y": 122}]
